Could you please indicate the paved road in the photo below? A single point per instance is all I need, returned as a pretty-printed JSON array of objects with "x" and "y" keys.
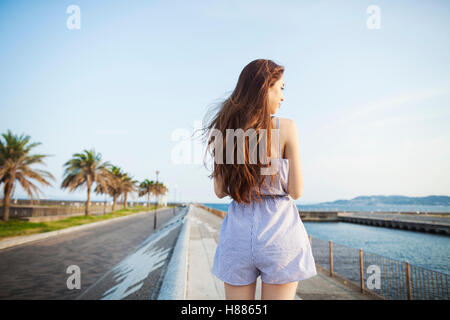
[{"x": 38, "y": 270}]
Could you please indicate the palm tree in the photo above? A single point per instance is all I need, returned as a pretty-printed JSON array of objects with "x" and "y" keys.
[
  {"x": 103, "y": 189},
  {"x": 128, "y": 185},
  {"x": 15, "y": 162},
  {"x": 85, "y": 169},
  {"x": 113, "y": 185},
  {"x": 146, "y": 187},
  {"x": 158, "y": 189}
]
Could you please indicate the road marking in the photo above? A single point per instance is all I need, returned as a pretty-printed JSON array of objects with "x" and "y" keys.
[{"x": 131, "y": 272}]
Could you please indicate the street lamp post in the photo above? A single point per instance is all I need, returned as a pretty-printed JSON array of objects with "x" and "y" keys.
[
  {"x": 175, "y": 187},
  {"x": 157, "y": 196}
]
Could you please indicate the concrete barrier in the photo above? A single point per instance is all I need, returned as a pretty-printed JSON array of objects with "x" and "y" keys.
[
  {"x": 304, "y": 215},
  {"x": 174, "y": 285},
  {"x": 420, "y": 226},
  {"x": 217, "y": 212},
  {"x": 25, "y": 212}
]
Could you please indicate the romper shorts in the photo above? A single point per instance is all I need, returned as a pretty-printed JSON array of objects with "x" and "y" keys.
[{"x": 266, "y": 239}]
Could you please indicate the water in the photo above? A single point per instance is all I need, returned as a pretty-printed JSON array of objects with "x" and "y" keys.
[
  {"x": 360, "y": 208},
  {"x": 375, "y": 208},
  {"x": 431, "y": 251}
]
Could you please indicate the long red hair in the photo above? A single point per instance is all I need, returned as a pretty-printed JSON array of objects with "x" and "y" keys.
[{"x": 247, "y": 107}]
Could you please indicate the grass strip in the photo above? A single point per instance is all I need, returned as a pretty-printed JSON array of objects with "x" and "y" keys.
[{"x": 16, "y": 227}]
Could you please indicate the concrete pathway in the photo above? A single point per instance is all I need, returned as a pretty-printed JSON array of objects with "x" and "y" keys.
[{"x": 202, "y": 284}]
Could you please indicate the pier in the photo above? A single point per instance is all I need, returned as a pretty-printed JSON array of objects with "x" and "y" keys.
[{"x": 432, "y": 224}]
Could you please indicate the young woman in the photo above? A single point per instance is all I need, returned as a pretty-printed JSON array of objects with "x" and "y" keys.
[{"x": 262, "y": 234}]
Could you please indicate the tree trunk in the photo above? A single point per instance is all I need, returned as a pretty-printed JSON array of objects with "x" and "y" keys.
[
  {"x": 125, "y": 200},
  {"x": 6, "y": 202},
  {"x": 114, "y": 203},
  {"x": 86, "y": 211},
  {"x": 148, "y": 200}
]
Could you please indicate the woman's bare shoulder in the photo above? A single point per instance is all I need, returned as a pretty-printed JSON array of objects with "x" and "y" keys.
[{"x": 287, "y": 123}]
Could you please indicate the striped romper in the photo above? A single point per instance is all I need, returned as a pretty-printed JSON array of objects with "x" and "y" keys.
[{"x": 266, "y": 239}]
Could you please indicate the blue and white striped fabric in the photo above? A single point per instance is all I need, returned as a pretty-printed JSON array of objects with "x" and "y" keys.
[{"x": 266, "y": 239}]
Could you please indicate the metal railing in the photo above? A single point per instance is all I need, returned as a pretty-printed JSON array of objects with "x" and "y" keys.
[{"x": 378, "y": 275}]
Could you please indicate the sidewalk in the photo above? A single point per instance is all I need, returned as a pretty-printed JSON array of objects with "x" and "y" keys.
[{"x": 202, "y": 284}]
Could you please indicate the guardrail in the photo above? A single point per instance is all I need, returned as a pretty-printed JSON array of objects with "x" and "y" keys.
[{"x": 378, "y": 275}]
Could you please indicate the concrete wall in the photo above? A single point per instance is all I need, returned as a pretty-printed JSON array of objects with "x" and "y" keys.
[
  {"x": 319, "y": 216},
  {"x": 23, "y": 211},
  {"x": 398, "y": 224},
  {"x": 304, "y": 215}
]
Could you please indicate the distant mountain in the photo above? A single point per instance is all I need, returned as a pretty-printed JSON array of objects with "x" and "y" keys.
[{"x": 393, "y": 200}]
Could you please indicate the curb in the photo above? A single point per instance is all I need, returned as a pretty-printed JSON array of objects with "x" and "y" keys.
[
  {"x": 26, "y": 239},
  {"x": 174, "y": 285}
]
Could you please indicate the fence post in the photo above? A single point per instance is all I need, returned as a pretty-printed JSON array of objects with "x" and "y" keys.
[
  {"x": 331, "y": 258},
  {"x": 361, "y": 270},
  {"x": 408, "y": 281}
]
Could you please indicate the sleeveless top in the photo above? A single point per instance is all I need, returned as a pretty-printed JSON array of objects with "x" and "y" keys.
[{"x": 281, "y": 172}]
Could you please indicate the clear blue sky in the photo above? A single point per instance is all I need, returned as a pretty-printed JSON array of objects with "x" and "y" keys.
[{"x": 372, "y": 105}]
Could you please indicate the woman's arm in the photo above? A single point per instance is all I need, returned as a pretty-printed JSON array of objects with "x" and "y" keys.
[{"x": 295, "y": 182}]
